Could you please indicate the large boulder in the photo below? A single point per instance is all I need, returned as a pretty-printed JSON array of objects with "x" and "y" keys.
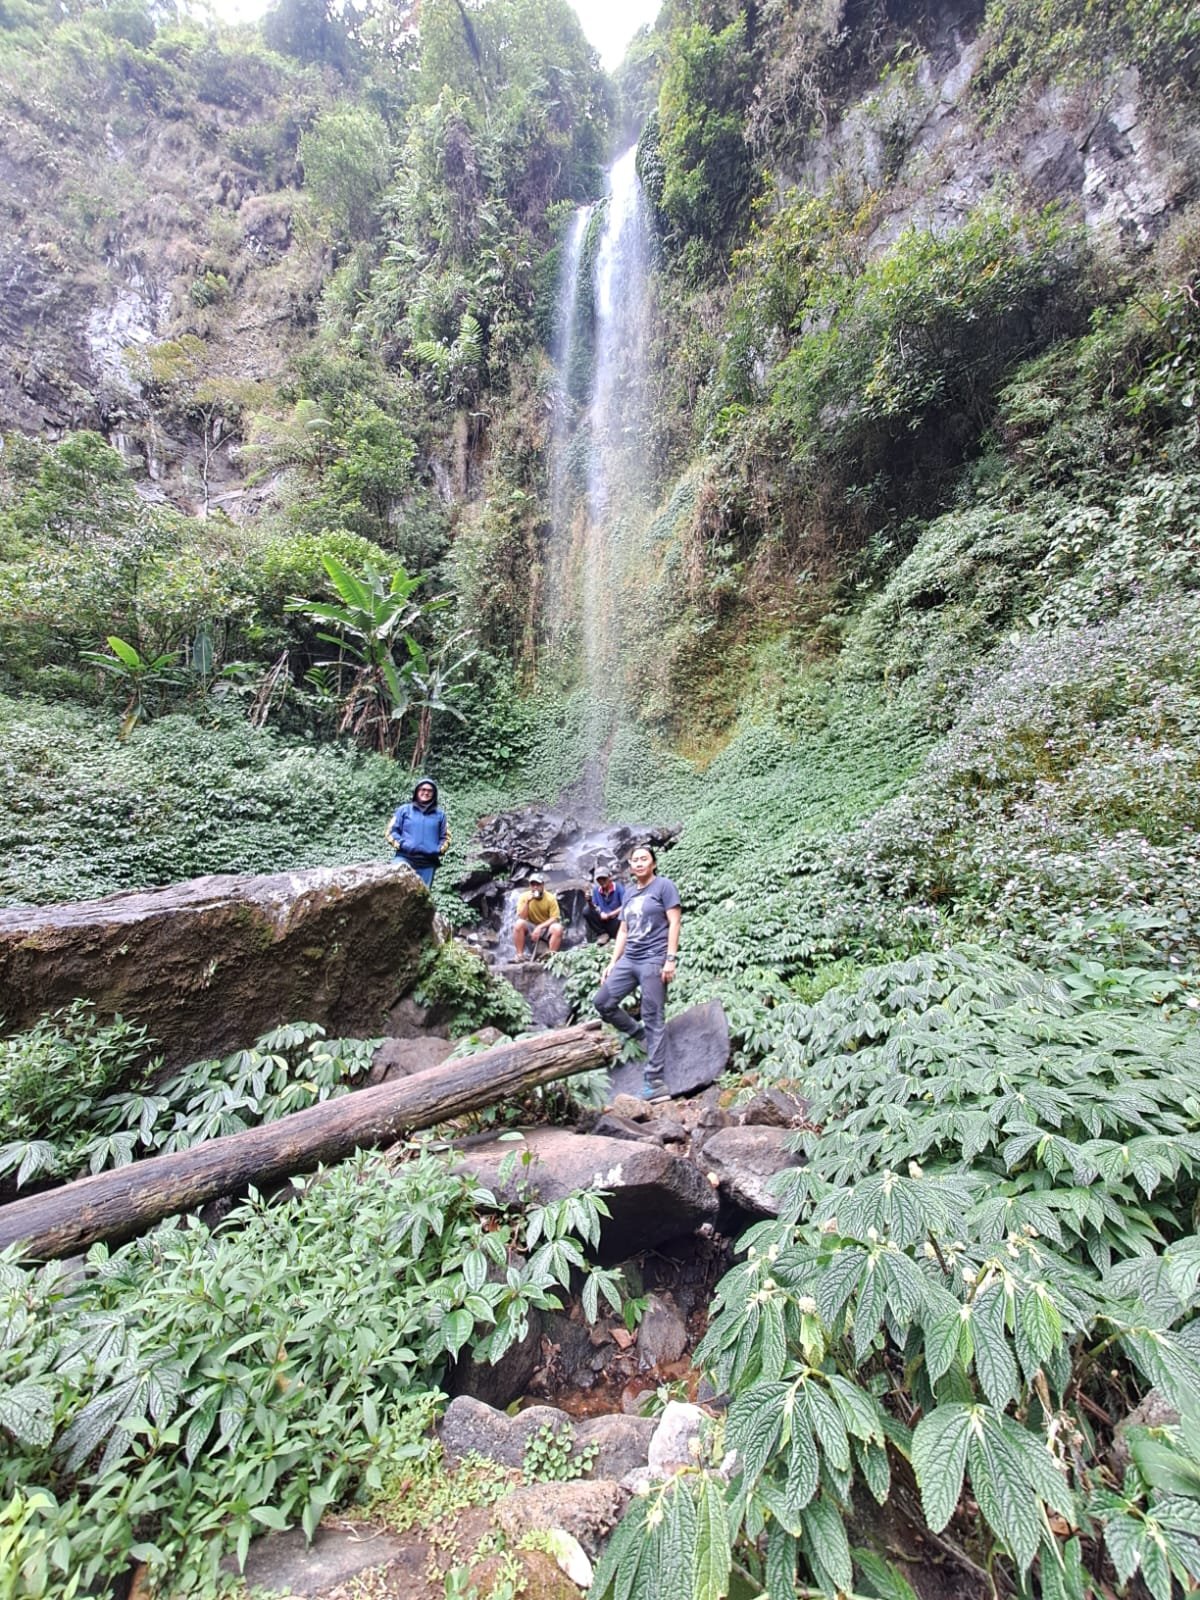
[
  {"x": 652, "y": 1196},
  {"x": 697, "y": 1053},
  {"x": 209, "y": 965}
]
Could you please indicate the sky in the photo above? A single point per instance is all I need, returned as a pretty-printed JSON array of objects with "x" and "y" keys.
[{"x": 608, "y": 24}]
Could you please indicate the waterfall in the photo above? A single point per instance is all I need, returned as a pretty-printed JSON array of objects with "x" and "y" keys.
[
  {"x": 566, "y": 346},
  {"x": 598, "y": 510},
  {"x": 616, "y": 464}
]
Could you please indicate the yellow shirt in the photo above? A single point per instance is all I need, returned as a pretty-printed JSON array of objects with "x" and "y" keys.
[{"x": 537, "y": 908}]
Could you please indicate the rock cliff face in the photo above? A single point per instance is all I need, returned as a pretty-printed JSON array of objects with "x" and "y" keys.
[
  {"x": 208, "y": 966},
  {"x": 921, "y": 138},
  {"x": 129, "y": 221}
]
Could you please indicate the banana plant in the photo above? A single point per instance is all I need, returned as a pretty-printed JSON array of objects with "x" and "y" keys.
[
  {"x": 433, "y": 676},
  {"x": 373, "y": 616},
  {"x": 139, "y": 673}
]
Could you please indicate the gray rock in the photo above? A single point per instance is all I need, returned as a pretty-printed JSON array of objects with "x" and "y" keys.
[
  {"x": 653, "y": 1195},
  {"x": 623, "y": 1443},
  {"x": 744, "y": 1161},
  {"x": 470, "y": 1427},
  {"x": 400, "y": 1058},
  {"x": 545, "y": 993},
  {"x": 207, "y": 966},
  {"x": 587, "y": 1510},
  {"x": 662, "y": 1334},
  {"x": 408, "y": 1020},
  {"x": 672, "y": 1445},
  {"x": 286, "y": 1564},
  {"x": 697, "y": 1053},
  {"x": 774, "y": 1108}
]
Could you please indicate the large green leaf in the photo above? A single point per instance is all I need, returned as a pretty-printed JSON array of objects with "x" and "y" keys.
[{"x": 939, "y": 1457}]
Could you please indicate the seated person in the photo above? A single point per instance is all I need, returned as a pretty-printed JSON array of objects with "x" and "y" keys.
[
  {"x": 602, "y": 914},
  {"x": 537, "y": 919}
]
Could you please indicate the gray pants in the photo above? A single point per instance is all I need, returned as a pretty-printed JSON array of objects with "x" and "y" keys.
[{"x": 630, "y": 974}]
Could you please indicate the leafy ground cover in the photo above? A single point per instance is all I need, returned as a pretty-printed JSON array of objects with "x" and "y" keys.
[
  {"x": 166, "y": 1403},
  {"x": 988, "y": 1259}
]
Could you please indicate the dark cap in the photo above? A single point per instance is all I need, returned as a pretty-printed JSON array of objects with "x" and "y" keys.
[{"x": 601, "y": 873}]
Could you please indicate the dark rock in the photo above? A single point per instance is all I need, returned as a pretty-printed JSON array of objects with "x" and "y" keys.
[
  {"x": 500, "y": 1383},
  {"x": 668, "y": 1131},
  {"x": 208, "y": 966},
  {"x": 400, "y": 1058},
  {"x": 653, "y": 1196},
  {"x": 545, "y": 993},
  {"x": 567, "y": 1352},
  {"x": 697, "y": 1053},
  {"x": 662, "y": 1334},
  {"x": 611, "y": 1126},
  {"x": 744, "y": 1160},
  {"x": 774, "y": 1108},
  {"x": 410, "y": 1020},
  {"x": 1052, "y": 163}
]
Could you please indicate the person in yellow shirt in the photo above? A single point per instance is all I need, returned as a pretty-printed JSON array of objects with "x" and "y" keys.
[{"x": 537, "y": 919}]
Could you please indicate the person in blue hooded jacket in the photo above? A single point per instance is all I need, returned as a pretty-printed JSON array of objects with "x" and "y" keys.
[{"x": 419, "y": 833}]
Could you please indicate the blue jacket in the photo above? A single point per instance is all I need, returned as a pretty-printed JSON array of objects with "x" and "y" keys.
[{"x": 420, "y": 833}]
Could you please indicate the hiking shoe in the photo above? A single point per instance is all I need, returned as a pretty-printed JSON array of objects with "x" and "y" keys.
[
  {"x": 603, "y": 939},
  {"x": 654, "y": 1092}
]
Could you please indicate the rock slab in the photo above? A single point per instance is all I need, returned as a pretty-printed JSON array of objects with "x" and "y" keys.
[
  {"x": 697, "y": 1053},
  {"x": 652, "y": 1195},
  {"x": 209, "y": 965}
]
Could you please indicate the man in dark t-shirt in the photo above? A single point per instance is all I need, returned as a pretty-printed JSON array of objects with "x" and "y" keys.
[{"x": 644, "y": 958}]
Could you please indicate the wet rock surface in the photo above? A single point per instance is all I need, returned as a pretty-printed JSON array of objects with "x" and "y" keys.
[{"x": 209, "y": 965}]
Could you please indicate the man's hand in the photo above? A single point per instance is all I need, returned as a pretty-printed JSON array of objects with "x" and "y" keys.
[{"x": 668, "y": 969}]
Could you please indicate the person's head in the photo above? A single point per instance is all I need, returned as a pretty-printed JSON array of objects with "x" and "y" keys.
[
  {"x": 643, "y": 863},
  {"x": 425, "y": 792},
  {"x": 537, "y": 884},
  {"x": 604, "y": 878}
]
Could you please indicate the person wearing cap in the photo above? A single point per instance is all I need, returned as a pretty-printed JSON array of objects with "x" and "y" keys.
[
  {"x": 602, "y": 914},
  {"x": 644, "y": 958},
  {"x": 419, "y": 833},
  {"x": 537, "y": 919}
]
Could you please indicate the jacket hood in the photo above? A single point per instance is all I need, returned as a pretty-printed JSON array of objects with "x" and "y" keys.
[{"x": 431, "y": 784}]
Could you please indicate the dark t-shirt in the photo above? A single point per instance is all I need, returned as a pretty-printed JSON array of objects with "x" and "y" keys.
[{"x": 645, "y": 917}]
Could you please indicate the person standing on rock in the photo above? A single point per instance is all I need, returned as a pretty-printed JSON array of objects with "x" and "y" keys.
[
  {"x": 644, "y": 958},
  {"x": 602, "y": 914},
  {"x": 538, "y": 918},
  {"x": 419, "y": 833}
]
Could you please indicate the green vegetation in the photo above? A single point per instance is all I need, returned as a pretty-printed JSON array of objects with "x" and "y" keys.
[
  {"x": 78, "y": 1097},
  {"x": 908, "y": 646},
  {"x": 198, "y": 1387}
]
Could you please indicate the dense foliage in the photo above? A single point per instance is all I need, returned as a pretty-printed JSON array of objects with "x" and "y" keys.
[
  {"x": 198, "y": 1387},
  {"x": 906, "y": 636}
]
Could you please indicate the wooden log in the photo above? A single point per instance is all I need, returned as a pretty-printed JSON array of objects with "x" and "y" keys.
[{"x": 115, "y": 1205}]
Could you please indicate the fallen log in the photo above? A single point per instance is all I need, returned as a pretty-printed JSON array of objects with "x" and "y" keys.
[{"x": 115, "y": 1205}]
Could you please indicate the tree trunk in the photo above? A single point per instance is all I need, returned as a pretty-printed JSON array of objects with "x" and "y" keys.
[{"x": 115, "y": 1205}]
